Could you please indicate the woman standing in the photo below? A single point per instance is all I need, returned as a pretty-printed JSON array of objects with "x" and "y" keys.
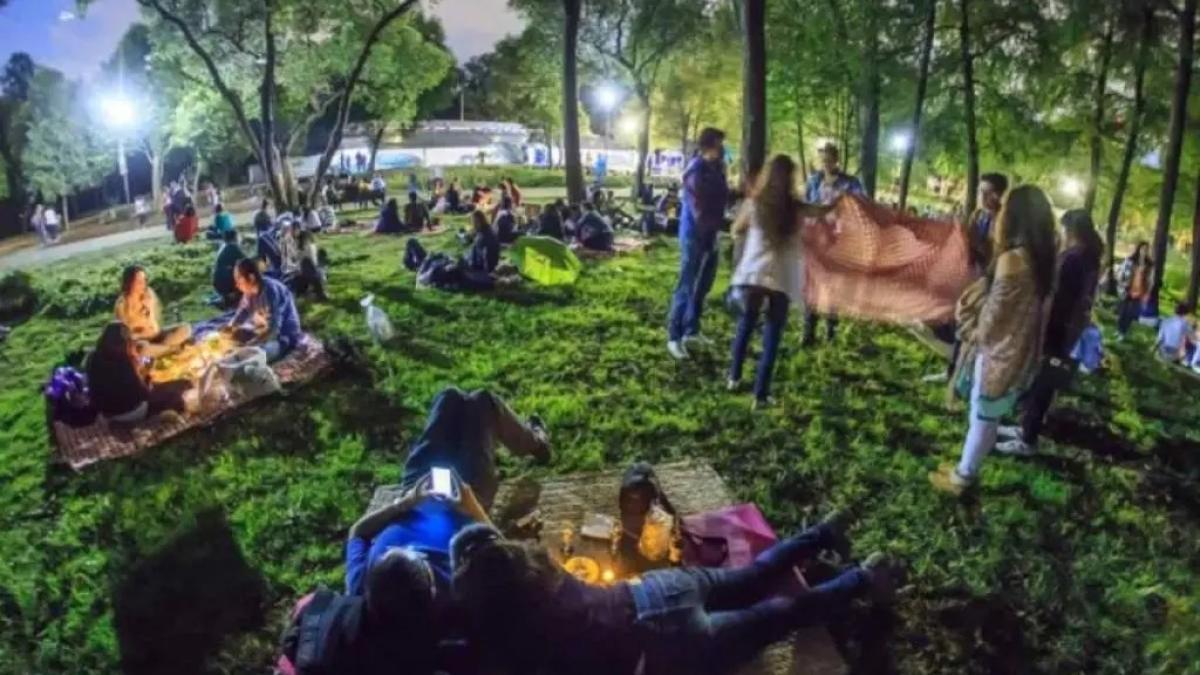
[
  {"x": 1002, "y": 327},
  {"x": 1070, "y": 314},
  {"x": 1135, "y": 280},
  {"x": 769, "y": 268}
]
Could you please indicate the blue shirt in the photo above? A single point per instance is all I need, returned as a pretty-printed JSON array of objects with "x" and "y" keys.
[
  {"x": 276, "y": 301},
  {"x": 705, "y": 193},
  {"x": 427, "y": 528},
  {"x": 817, "y": 192}
]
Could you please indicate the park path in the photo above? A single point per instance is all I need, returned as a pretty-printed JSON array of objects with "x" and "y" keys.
[{"x": 36, "y": 256}]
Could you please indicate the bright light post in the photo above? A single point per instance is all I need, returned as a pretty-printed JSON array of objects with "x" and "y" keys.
[
  {"x": 1071, "y": 187},
  {"x": 607, "y": 97},
  {"x": 901, "y": 141},
  {"x": 120, "y": 116}
]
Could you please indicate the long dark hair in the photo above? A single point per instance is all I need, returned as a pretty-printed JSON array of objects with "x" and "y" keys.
[
  {"x": 1079, "y": 226},
  {"x": 127, "y": 276},
  {"x": 114, "y": 341},
  {"x": 1027, "y": 221},
  {"x": 1140, "y": 255},
  {"x": 775, "y": 199}
]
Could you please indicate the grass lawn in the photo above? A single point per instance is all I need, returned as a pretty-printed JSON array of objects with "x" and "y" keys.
[{"x": 1085, "y": 559}]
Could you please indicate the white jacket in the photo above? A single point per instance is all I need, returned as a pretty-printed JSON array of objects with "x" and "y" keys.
[{"x": 778, "y": 267}]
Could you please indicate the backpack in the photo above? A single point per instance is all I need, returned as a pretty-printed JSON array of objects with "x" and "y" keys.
[{"x": 306, "y": 647}]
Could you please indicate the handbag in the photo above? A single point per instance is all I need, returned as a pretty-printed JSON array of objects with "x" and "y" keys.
[{"x": 731, "y": 536}]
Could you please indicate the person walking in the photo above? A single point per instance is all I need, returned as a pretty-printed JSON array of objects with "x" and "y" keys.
[
  {"x": 1070, "y": 314},
  {"x": 706, "y": 191},
  {"x": 769, "y": 268},
  {"x": 1001, "y": 326},
  {"x": 1135, "y": 278},
  {"x": 824, "y": 187}
]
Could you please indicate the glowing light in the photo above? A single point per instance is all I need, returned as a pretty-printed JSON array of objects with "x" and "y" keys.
[
  {"x": 630, "y": 125},
  {"x": 1071, "y": 186},
  {"x": 901, "y": 140},
  {"x": 608, "y": 576},
  {"x": 608, "y": 96},
  {"x": 118, "y": 112}
]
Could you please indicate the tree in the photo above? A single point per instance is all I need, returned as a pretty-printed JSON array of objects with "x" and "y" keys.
[
  {"x": 570, "y": 101},
  {"x": 700, "y": 85},
  {"x": 910, "y": 152},
  {"x": 1096, "y": 142},
  {"x": 968, "y": 85},
  {"x": 754, "y": 87},
  {"x": 14, "y": 121},
  {"x": 1179, "y": 100},
  {"x": 636, "y": 36}
]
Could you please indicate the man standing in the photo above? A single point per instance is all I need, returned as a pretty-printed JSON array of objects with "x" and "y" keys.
[
  {"x": 705, "y": 193},
  {"x": 992, "y": 187},
  {"x": 824, "y": 187}
]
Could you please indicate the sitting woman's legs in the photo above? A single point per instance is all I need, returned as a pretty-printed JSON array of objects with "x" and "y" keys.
[
  {"x": 168, "y": 396},
  {"x": 736, "y": 588}
]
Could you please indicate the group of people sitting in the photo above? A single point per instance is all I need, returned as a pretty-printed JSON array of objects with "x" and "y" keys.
[
  {"x": 1178, "y": 339},
  {"x": 119, "y": 367},
  {"x": 432, "y": 585},
  {"x": 287, "y": 247}
]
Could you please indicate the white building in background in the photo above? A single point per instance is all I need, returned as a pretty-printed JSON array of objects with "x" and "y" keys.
[{"x": 463, "y": 143}]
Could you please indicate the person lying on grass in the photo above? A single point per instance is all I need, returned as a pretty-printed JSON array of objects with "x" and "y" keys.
[
  {"x": 398, "y": 557},
  {"x": 267, "y": 314},
  {"x": 525, "y": 613},
  {"x": 138, "y": 308},
  {"x": 119, "y": 384}
]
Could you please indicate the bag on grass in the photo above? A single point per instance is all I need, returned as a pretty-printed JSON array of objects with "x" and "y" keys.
[
  {"x": 728, "y": 537},
  {"x": 248, "y": 374},
  {"x": 67, "y": 398},
  {"x": 378, "y": 323},
  {"x": 305, "y": 648},
  {"x": 546, "y": 260}
]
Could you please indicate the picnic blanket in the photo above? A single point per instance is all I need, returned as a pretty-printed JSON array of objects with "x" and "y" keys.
[
  {"x": 868, "y": 261},
  {"x": 622, "y": 244},
  {"x": 80, "y": 446}
]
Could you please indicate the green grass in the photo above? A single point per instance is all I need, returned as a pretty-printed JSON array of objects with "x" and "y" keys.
[{"x": 1083, "y": 560}]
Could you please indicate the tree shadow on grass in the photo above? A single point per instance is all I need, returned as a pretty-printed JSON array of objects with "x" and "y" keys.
[
  {"x": 174, "y": 609},
  {"x": 428, "y": 302},
  {"x": 1066, "y": 428},
  {"x": 526, "y": 297},
  {"x": 420, "y": 351}
]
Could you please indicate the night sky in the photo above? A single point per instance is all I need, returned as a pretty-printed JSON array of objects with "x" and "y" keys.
[{"x": 77, "y": 46}]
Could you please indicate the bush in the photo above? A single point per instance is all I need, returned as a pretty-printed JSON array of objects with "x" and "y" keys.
[{"x": 18, "y": 298}]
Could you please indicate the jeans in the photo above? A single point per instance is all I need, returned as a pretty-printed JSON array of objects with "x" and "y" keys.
[
  {"x": 1054, "y": 374},
  {"x": 810, "y": 326},
  {"x": 278, "y": 347},
  {"x": 777, "y": 311},
  {"x": 461, "y": 434},
  {"x": 1128, "y": 312},
  {"x": 707, "y": 619},
  {"x": 697, "y": 270},
  {"x": 981, "y": 432}
]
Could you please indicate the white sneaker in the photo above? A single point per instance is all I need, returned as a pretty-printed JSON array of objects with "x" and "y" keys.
[
  {"x": 697, "y": 339},
  {"x": 1016, "y": 447},
  {"x": 677, "y": 350},
  {"x": 733, "y": 385},
  {"x": 1009, "y": 431}
]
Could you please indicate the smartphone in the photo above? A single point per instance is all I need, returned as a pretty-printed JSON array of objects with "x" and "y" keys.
[{"x": 442, "y": 483}]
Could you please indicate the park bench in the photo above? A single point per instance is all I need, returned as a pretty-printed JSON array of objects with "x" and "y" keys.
[{"x": 693, "y": 487}]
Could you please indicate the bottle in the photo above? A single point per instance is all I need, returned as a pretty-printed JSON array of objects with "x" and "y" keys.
[{"x": 378, "y": 323}]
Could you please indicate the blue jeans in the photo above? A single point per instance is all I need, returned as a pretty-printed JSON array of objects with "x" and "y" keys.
[
  {"x": 705, "y": 619},
  {"x": 697, "y": 270},
  {"x": 461, "y": 433},
  {"x": 777, "y": 310}
]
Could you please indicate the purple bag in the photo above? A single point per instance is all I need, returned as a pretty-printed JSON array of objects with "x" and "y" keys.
[{"x": 67, "y": 398}]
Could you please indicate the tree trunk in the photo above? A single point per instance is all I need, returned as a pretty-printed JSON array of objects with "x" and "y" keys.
[
  {"x": 156, "y": 169},
  {"x": 1179, "y": 100},
  {"x": 800, "y": 141},
  {"x": 570, "y": 96},
  {"x": 288, "y": 177},
  {"x": 376, "y": 141},
  {"x": 66, "y": 213},
  {"x": 266, "y": 103},
  {"x": 910, "y": 152},
  {"x": 754, "y": 89},
  {"x": 968, "y": 74},
  {"x": 869, "y": 157},
  {"x": 1097, "y": 140},
  {"x": 1193, "y": 289},
  {"x": 1131, "y": 142},
  {"x": 639, "y": 183},
  {"x": 686, "y": 128}
]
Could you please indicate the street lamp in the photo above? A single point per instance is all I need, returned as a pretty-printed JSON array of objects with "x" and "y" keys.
[
  {"x": 607, "y": 96},
  {"x": 120, "y": 116},
  {"x": 630, "y": 125},
  {"x": 901, "y": 140}
]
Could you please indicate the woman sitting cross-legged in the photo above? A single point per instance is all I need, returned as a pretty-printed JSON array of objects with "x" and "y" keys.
[
  {"x": 769, "y": 267},
  {"x": 484, "y": 254},
  {"x": 119, "y": 389},
  {"x": 389, "y": 219},
  {"x": 138, "y": 308},
  {"x": 527, "y": 615},
  {"x": 267, "y": 314}
]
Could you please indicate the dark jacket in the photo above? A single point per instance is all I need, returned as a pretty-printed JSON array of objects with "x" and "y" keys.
[
  {"x": 1078, "y": 275},
  {"x": 116, "y": 388}
]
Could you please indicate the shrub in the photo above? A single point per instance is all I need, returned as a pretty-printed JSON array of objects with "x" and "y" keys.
[{"x": 18, "y": 298}]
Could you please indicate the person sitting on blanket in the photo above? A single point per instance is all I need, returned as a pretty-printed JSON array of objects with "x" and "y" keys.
[
  {"x": 222, "y": 276},
  {"x": 1174, "y": 337},
  {"x": 138, "y": 308},
  {"x": 550, "y": 222},
  {"x": 454, "y": 197},
  {"x": 222, "y": 223},
  {"x": 527, "y": 614},
  {"x": 667, "y": 211},
  {"x": 593, "y": 232},
  {"x": 398, "y": 556},
  {"x": 267, "y": 314},
  {"x": 119, "y": 387},
  {"x": 484, "y": 254},
  {"x": 416, "y": 214},
  {"x": 389, "y": 219},
  {"x": 505, "y": 222}
]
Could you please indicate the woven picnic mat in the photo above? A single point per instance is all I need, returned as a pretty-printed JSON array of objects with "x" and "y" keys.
[
  {"x": 621, "y": 245},
  {"x": 692, "y": 486},
  {"x": 80, "y": 446}
]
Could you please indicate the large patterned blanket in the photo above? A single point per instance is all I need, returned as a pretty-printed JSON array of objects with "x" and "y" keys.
[{"x": 80, "y": 446}]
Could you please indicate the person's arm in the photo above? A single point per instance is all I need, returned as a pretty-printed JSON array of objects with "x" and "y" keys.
[
  {"x": 370, "y": 525},
  {"x": 244, "y": 311},
  {"x": 1004, "y": 297}
]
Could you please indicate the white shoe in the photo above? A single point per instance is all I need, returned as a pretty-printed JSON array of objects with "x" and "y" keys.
[
  {"x": 935, "y": 377},
  {"x": 697, "y": 339},
  {"x": 1010, "y": 431},
  {"x": 677, "y": 350},
  {"x": 733, "y": 385},
  {"x": 1016, "y": 447}
]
